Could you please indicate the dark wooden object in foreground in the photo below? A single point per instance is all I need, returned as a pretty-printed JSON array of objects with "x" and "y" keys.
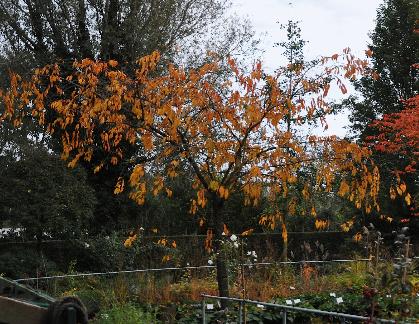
[
  {"x": 13, "y": 311},
  {"x": 22, "y": 305}
]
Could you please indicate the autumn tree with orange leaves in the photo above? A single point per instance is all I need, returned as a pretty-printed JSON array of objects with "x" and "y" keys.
[
  {"x": 234, "y": 134},
  {"x": 398, "y": 136}
]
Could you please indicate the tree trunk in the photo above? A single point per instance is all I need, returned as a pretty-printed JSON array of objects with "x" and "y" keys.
[
  {"x": 221, "y": 261},
  {"x": 83, "y": 37},
  {"x": 110, "y": 37},
  {"x": 284, "y": 255}
]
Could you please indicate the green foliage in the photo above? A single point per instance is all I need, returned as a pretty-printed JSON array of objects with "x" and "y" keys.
[
  {"x": 124, "y": 314},
  {"x": 390, "y": 288},
  {"x": 16, "y": 262},
  {"x": 395, "y": 49},
  {"x": 45, "y": 198},
  {"x": 108, "y": 253}
]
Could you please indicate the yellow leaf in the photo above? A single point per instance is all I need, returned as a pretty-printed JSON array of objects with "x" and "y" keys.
[
  {"x": 399, "y": 191},
  {"x": 262, "y": 220},
  {"x": 136, "y": 174},
  {"x": 174, "y": 244},
  {"x": 284, "y": 233},
  {"x": 392, "y": 193},
  {"x": 119, "y": 186},
  {"x": 193, "y": 208},
  {"x": 407, "y": 198},
  {"x": 320, "y": 224},
  {"x": 347, "y": 225},
  {"x": 166, "y": 258},
  {"x": 344, "y": 189},
  {"x": 112, "y": 63},
  {"x": 97, "y": 169},
  {"x": 128, "y": 242},
  {"x": 214, "y": 185},
  {"x": 221, "y": 191},
  {"x": 357, "y": 237},
  {"x": 162, "y": 241},
  {"x": 247, "y": 232}
]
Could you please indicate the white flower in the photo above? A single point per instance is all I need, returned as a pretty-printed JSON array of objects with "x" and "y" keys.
[
  {"x": 288, "y": 302},
  {"x": 260, "y": 306},
  {"x": 388, "y": 296},
  {"x": 224, "y": 234},
  {"x": 292, "y": 288},
  {"x": 233, "y": 238},
  {"x": 339, "y": 300},
  {"x": 86, "y": 245},
  {"x": 249, "y": 253},
  {"x": 187, "y": 264},
  {"x": 141, "y": 228},
  {"x": 332, "y": 295},
  {"x": 296, "y": 301},
  {"x": 236, "y": 245},
  {"x": 210, "y": 306},
  {"x": 106, "y": 237},
  {"x": 210, "y": 262}
]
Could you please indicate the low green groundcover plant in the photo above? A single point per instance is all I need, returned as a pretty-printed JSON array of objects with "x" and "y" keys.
[{"x": 124, "y": 314}]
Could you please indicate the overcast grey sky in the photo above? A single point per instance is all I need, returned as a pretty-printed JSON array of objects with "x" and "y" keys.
[{"x": 328, "y": 26}]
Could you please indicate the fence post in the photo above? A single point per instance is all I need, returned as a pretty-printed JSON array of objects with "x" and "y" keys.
[
  {"x": 71, "y": 315},
  {"x": 204, "y": 321},
  {"x": 241, "y": 313},
  {"x": 284, "y": 316}
]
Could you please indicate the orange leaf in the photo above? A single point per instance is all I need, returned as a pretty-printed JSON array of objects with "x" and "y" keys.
[
  {"x": 247, "y": 232},
  {"x": 112, "y": 63}
]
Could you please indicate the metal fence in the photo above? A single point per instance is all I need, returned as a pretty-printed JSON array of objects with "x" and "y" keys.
[
  {"x": 89, "y": 274},
  {"x": 285, "y": 309}
]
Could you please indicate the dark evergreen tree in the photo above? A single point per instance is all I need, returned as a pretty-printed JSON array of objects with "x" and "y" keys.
[
  {"x": 38, "y": 193},
  {"x": 395, "y": 48}
]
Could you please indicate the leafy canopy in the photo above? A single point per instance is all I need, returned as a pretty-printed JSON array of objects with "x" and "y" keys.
[{"x": 233, "y": 133}]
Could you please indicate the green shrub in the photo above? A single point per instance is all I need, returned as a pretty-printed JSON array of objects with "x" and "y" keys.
[
  {"x": 19, "y": 263},
  {"x": 125, "y": 314}
]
